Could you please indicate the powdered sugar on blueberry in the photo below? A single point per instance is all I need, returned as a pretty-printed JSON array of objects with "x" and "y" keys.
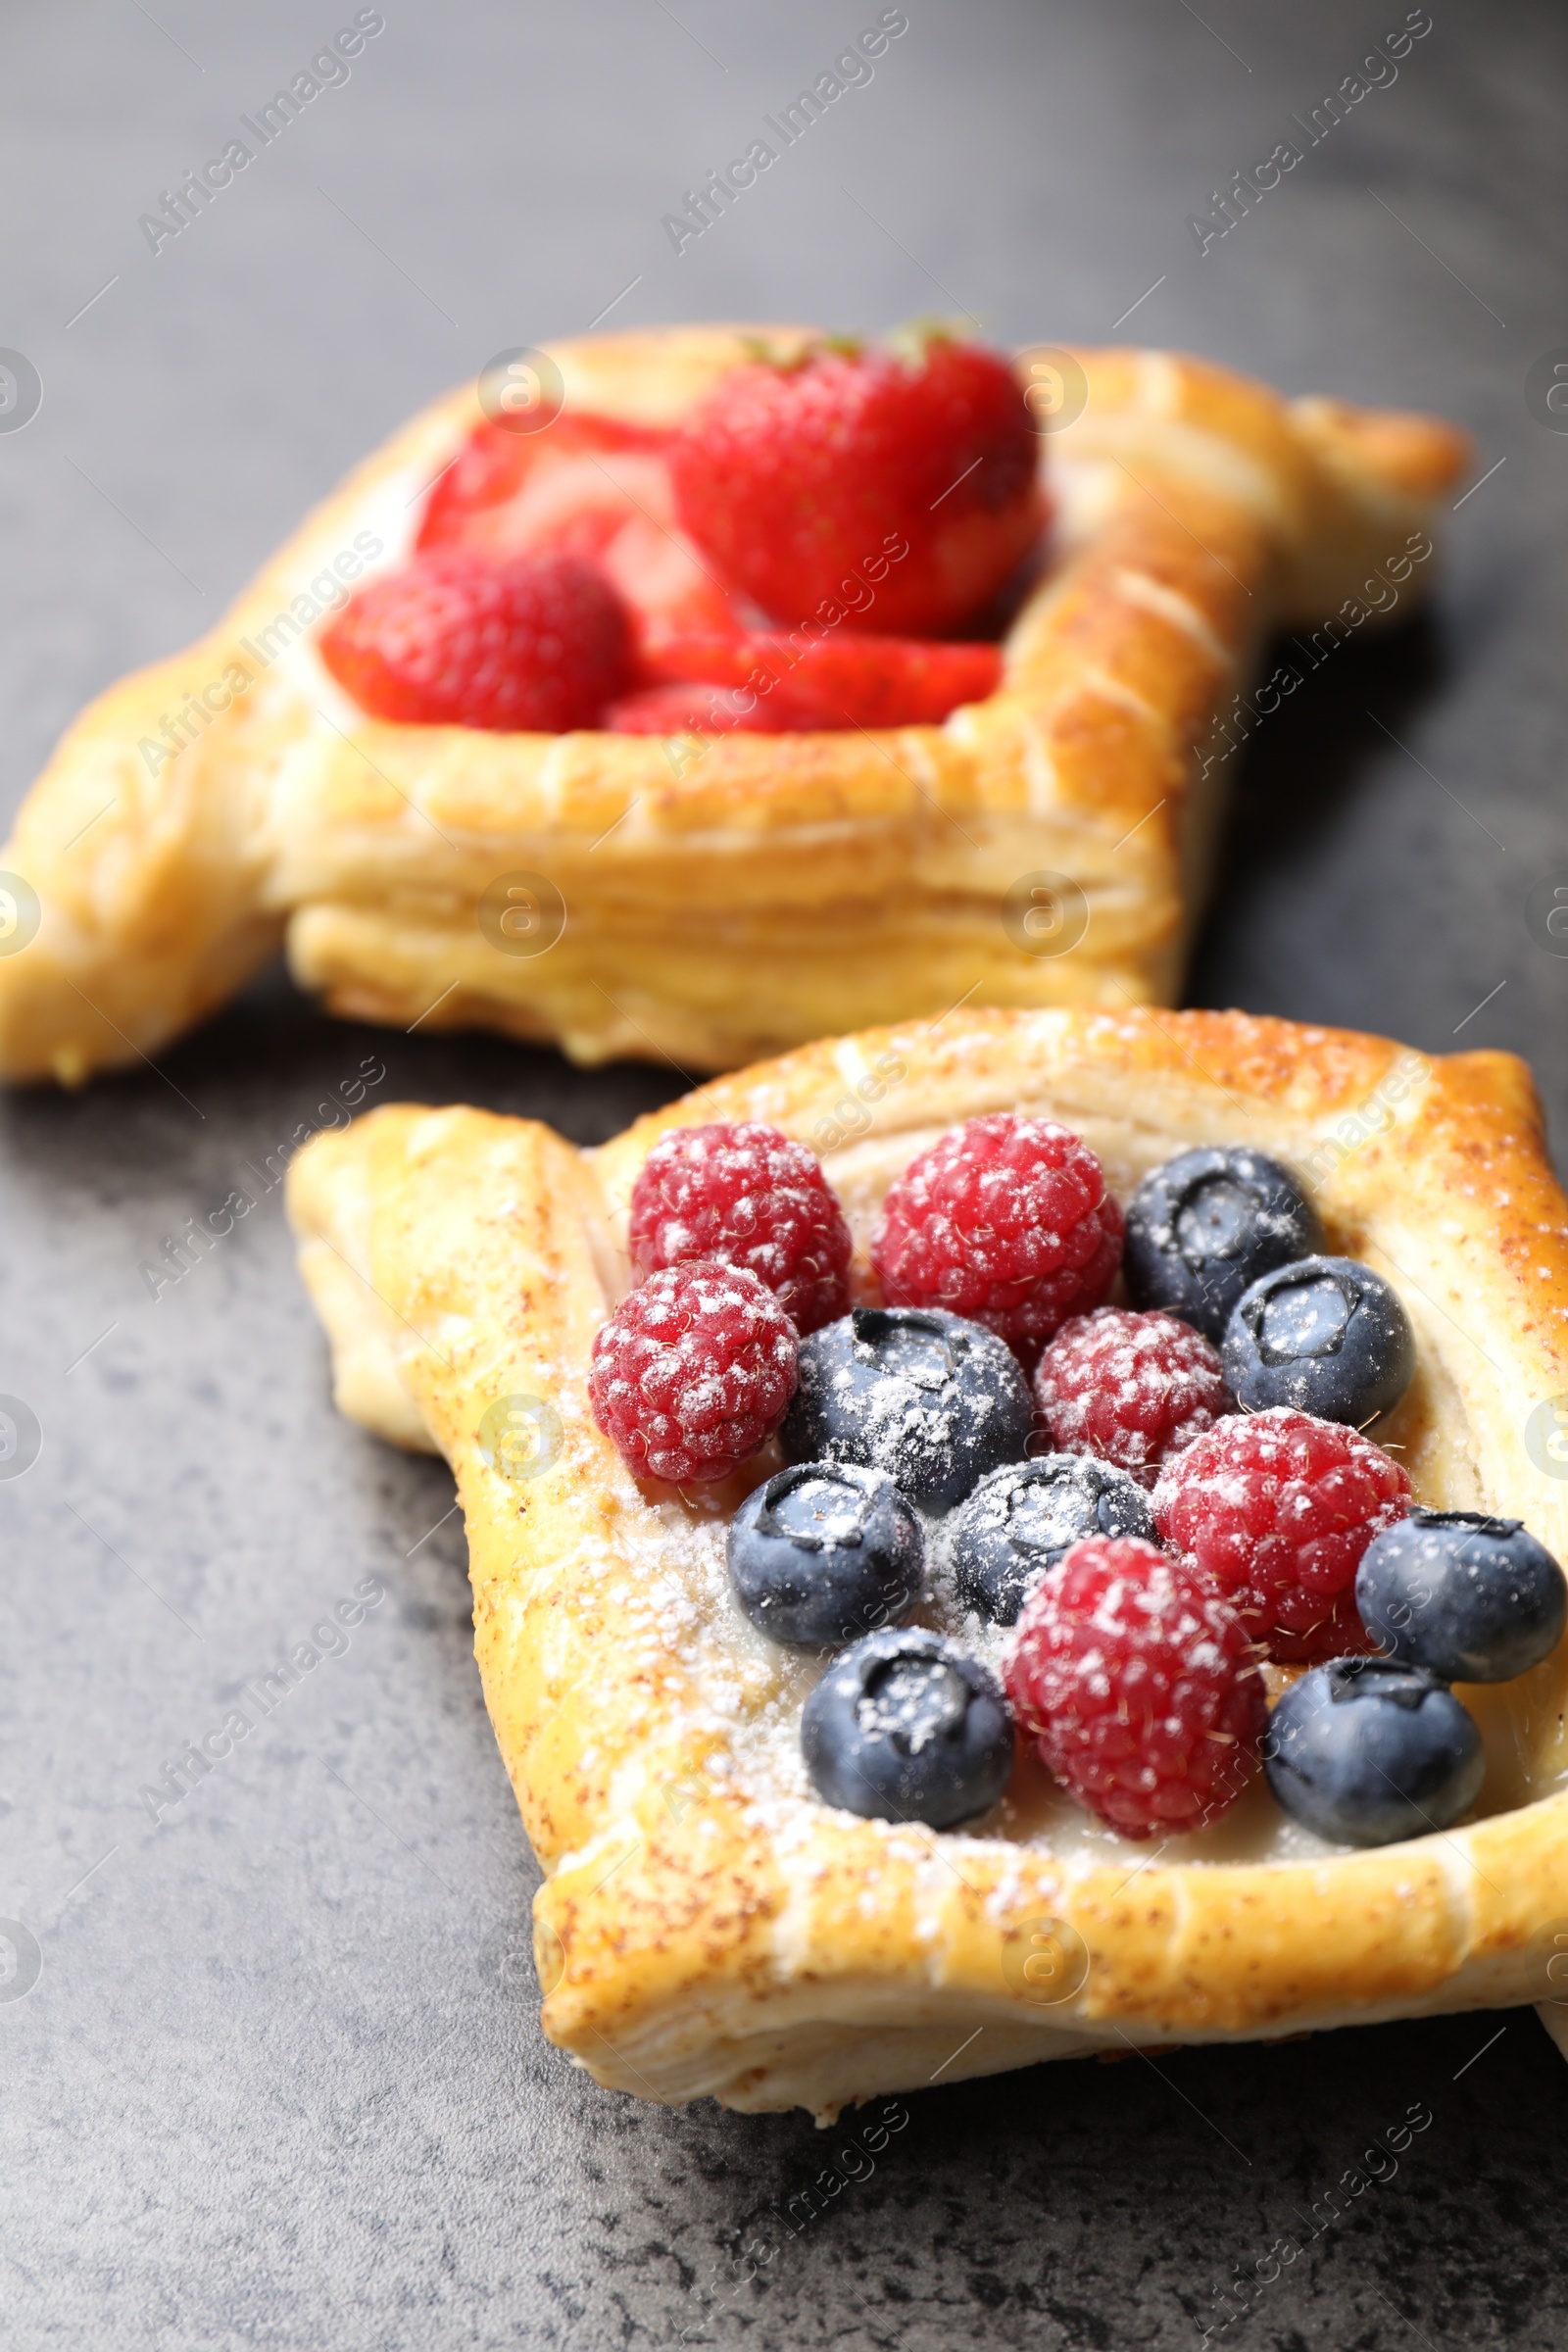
[{"x": 933, "y": 1401}]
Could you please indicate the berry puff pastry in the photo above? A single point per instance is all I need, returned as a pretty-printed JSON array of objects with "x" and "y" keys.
[
  {"x": 487, "y": 743},
  {"x": 818, "y": 1822}
]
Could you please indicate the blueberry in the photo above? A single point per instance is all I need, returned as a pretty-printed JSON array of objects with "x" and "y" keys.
[
  {"x": 1325, "y": 1335},
  {"x": 1366, "y": 1752},
  {"x": 1476, "y": 1599},
  {"x": 1209, "y": 1223},
  {"x": 1020, "y": 1521},
  {"x": 908, "y": 1727},
  {"x": 930, "y": 1398},
  {"x": 824, "y": 1551}
]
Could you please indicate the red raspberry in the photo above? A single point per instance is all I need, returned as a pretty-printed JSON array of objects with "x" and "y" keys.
[
  {"x": 1007, "y": 1221},
  {"x": 693, "y": 1372},
  {"x": 1275, "y": 1510},
  {"x": 1132, "y": 1389},
  {"x": 1140, "y": 1685},
  {"x": 748, "y": 1196},
  {"x": 917, "y": 480},
  {"x": 458, "y": 640}
]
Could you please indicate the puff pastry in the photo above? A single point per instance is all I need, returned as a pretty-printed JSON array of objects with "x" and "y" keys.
[
  {"x": 772, "y": 889},
  {"x": 706, "y": 1925}
]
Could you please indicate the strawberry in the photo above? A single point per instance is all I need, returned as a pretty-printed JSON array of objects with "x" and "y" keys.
[
  {"x": 705, "y": 708},
  {"x": 842, "y": 681},
  {"x": 915, "y": 483},
  {"x": 503, "y": 491},
  {"x": 667, "y": 586},
  {"x": 587, "y": 486},
  {"x": 462, "y": 639}
]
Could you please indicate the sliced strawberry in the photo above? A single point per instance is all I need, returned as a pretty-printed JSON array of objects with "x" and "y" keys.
[
  {"x": 495, "y": 465},
  {"x": 844, "y": 681},
  {"x": 667, "y": 586},
  {"x": 587, "y": 486},
  {"x": 702, "y": 708},
  {"x": 759, "y": 685}
]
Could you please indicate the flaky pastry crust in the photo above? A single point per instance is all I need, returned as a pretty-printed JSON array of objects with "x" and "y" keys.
[
  {"x": 723, "y": 902},
  {"x": 705, "y": 1926}
]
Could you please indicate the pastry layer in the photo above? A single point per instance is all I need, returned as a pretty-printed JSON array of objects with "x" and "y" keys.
[
  {"x": 705, "y": 1926},
  {"x": 726, "y": 898}
]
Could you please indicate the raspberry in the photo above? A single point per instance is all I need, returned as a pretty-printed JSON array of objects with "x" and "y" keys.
[
  {"x": 861, "y": 490},
  {"x": 748, "y": 1196},
  {"x": 1132, "y": 1389},
  {"x": 1007, "y": 1221},
  {"x": 692, "y": 1371},
  {"x": 1275, "y": 1510},
  {"x": 1140, "y": 1686},
  {"x": 458, "y": 640}
]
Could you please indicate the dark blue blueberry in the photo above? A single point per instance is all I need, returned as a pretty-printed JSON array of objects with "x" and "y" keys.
[
  {"x": 1325, "y": 1335},
  {"x": 930, "y": 1398},
  {"x": 1476, "y": 1599},
  {"x": 908, "y": 1727},
  {"x": 824, "y": 1551},
  {"x": 1365, "y": 1751},
  {"x": 1208, "y": 1224},
  {"x": 1020, "y": 1521}
]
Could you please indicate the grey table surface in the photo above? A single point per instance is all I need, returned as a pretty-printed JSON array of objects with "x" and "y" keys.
[{"x": 280, "y": 2081}]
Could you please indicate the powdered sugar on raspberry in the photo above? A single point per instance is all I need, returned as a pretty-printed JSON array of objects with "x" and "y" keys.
[
  {"x": 1275, "y": 1509},
  {"x": 747, "y": 1195},
  {"x": 1140, "y": 1687},
  {"x": 693, "y": 1372},
  {"x": 1132, "y": 1389},
  {"x": 1007, "y": 1221}
]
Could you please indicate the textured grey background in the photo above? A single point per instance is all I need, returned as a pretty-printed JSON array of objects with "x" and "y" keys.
[{"x": 279, "y": 2082}]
